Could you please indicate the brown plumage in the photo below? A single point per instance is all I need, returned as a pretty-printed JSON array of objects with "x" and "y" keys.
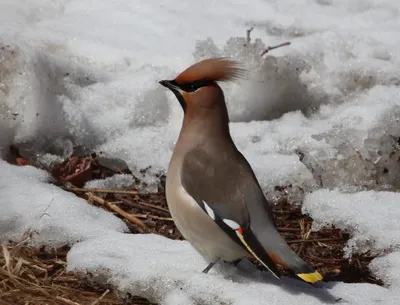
[
  {"x": 212, "y": 192},
  {"x": 213, "y": 69},
  {"x": 198, "y": 92}
]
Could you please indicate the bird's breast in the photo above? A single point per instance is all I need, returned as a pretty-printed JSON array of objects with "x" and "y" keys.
[{"x": 196, "y": 226}]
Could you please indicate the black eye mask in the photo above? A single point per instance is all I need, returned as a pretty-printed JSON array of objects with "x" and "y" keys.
[{"x": 193, "y": 86}]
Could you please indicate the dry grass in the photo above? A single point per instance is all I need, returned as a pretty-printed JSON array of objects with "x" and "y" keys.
[{"x": 31, "y": 276}]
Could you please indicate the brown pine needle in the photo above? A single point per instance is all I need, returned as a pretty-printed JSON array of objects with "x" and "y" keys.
[
  {"x": 131, "y": 218},
  {"x": 7, "y": 258},
  {"x": 84, "y": 190},
  {"x": 66, "y": 301},
  {"x": 147, "y": 216},
  {"x": 283, "y": 229},
  {"x": 313, "y": 240},
  {"x": 144, "y": 204},
  {"x": 101, "y": 297}
]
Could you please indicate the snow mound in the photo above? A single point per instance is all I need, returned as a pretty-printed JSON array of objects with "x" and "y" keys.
[
  {"x": 38, "y": 90},
  {"x": 168, "y": 271},
  {"x": 347, "y": 139},
  {"x": 370, "y": 217},
  {"x": 387, "y": 268},
  {"x": 55, "y": 217}
]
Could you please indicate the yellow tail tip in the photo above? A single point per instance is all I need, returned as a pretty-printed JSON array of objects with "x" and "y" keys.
[{"x": 310, "y": 277}]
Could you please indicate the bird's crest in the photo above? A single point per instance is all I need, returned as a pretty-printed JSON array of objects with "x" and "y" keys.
[{"x": 212, "y": 69}]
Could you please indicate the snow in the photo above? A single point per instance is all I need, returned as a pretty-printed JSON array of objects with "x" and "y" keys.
[
  {"x": 321, "y": 115},
  {"x": 118, "y": 260},
  {"x": 54, "y": 216},
  {"x": 370, "y": 217},
  {"x": 121, "y": 182}
]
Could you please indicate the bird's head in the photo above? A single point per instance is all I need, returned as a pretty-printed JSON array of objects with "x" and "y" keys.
[{"x": 197, "y": 87}]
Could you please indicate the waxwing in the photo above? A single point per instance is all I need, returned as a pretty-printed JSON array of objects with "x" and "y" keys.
[{"x": 212, "y": 192}]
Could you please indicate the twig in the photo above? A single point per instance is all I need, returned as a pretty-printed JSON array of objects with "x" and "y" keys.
[
  {"x": 248, "y": 39},
  {"x": 313, "y": 240},
  {"x": 283, "y": 229},
  {"x": 330, "y": 261},
  {"x": 146, "y": 216},
  {"x": 81, "y": 190},
  {"x": 274, "y": 47},
  {"x": 69, "y": 302},
  {"x": 144, "y": 204},
  {"x": 116, "y": 209},
  {"x": 154, "y": 206},
  {"x": 145, "y": 208},
  {"x": 101, "y": 297},
  {"x": 7, "y": 258},
  {"x": 289, "y": 211}
]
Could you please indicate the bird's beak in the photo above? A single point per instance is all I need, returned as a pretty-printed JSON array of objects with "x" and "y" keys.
[{"x": 168, "y": 84}]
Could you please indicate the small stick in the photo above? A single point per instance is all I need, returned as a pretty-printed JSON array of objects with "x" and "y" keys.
[
  {"x": 313, "y": 240},
  {"x": 118, "y": 210},
  {"x": 7, "y": 258},
  {"x": 332, "y": 261},
  {"x": 304, "y": 235},
  {"x": 145, "y": 208},
  {"x": 146, "y": 216},
  {"x": 275, "y": 47},
  {"x": 81, "y": 190},
  {"x": 101, "y": 297},
  {"x": 146, "y": 205},
  {"x": 248, "y": 34},
  {"x": 286, "y": 212},
  {"x": 69, "y": 302},
  {"x": 154, "y": 207},
  {"x": 282, "y": 229}
]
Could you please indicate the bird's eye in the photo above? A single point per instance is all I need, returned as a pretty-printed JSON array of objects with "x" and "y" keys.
[
  {"x": 192, "y": 87},
  {"x": 189, "y": 87}
]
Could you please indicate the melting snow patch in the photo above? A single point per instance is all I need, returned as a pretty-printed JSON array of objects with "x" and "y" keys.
[
  {"x": 117, "y": 182},
  {"x": 372, "y": 218},
  {"x": 56, "y": 217},
  {"x": 167, "y": 271}
]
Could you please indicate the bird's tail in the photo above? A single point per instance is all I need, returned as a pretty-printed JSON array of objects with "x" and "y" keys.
[{"x": 280, "y": 252}]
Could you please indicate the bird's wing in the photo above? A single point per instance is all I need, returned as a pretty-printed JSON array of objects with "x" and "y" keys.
[
  {"x": 218, "y": 189},
  {"x": 227, "y": 190}
]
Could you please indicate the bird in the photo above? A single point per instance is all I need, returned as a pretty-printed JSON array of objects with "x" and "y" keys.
[{"x": 212, "y": 192}]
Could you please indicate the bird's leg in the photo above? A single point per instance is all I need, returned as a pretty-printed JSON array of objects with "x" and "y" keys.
[{"x": 210, "y": 265}]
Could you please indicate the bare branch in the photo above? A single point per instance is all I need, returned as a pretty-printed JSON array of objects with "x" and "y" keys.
[
  {"x": 248, "y": 39},
  {"x": 275, "y": 47}
]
